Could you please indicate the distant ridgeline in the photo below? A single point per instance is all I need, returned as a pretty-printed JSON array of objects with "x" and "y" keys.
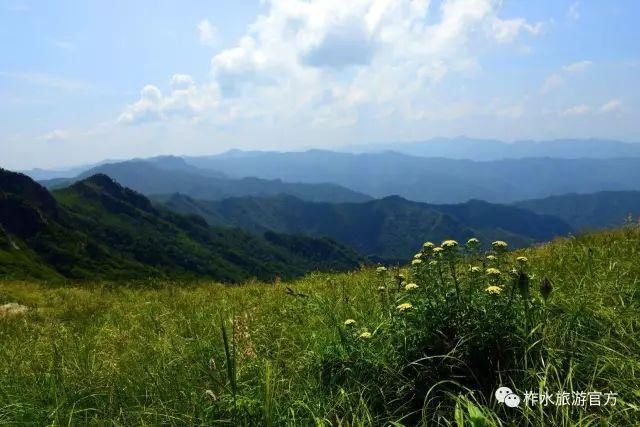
[{"x": 97, "y": 229}]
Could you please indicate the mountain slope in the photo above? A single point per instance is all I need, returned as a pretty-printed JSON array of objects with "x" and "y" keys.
[
  {"x": 390, "y": 228},
  {"x": 99, "y": 229},
  {"x": 171, "y": 175},
  {"x": 435, "y": 180},
  {"x": 588, "y": 211}
]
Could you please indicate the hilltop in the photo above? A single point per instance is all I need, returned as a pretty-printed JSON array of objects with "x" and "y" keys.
[{"x": 97, "y": 228}]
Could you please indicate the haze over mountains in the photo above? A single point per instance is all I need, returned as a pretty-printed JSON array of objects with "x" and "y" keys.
[{"x": 382, "y": 204}]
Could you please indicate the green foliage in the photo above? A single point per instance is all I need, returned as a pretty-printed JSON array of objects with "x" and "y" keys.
[
  {"x": 389, "y": 229},
  {"x": 284, "y": 354},
  {"x": 97, "y": 229}
]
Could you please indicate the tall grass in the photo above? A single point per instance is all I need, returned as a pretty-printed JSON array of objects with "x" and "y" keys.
[{"x": 262, "y": 354}]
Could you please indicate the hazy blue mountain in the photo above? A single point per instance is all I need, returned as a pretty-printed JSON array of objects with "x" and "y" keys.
[
  {"x": 489, "y": 149},
  {"x": 97, "y": 229},
  {"x": 435, "y": 180},
  {"x": 587, "y": 211},
  {"x": 390, "y": 228},
  {"x": 173, "y": 175}
]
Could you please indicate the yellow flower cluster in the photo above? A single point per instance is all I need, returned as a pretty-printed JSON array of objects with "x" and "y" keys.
[
  {"x": 349, "y": 322},
  {"x": 499, "y": 245},
  {"x": 365, "y": 335},
  {"x": 522, "y": 260},
  {"x": 473, "y": 242},
  {"x": 404, "y": 307},
  {"x": 410, "y": 287},
  {"x": 492, "y": 272},
  {"x": 449, "y": 244},
  {"x": 475, "y": 269},
  {"x": 416, "y": 262},
  {"x": 493, "y": 290}
]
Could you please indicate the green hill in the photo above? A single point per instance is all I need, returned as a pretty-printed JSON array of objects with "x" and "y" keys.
[
  {"x": 589, "y": 211},
  {"x": 389, "y": 228},
  {"x": 164, "y": 175},
  {"x": 98, "y": 229}
]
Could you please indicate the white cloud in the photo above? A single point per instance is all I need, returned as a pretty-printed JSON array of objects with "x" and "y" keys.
[
  {"x": 207, "y": 33},
  {"x": 576, "y": 110},
  {"x": 577, "y": 67},
  {"x": 186, "y": 100},
  {"x": 611, "y": 106},
  {"x": 331, "y": 61},
  {"x": 56, "y": 135}
]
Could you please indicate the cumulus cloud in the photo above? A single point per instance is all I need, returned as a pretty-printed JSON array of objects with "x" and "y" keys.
[
  {"x": 576, "y": 110},
  {"x": 331, "y": 61},
  {"x": 186, "y": 100},
  {"x": 554, "y": 81},
  {"x": 207, "y": 33},
  {"x": 577, "y": 67},
  {"x": 611, "y": 106}
]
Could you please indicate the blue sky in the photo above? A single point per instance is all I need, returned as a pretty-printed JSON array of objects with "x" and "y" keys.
[{"x": 81, "y": 81}]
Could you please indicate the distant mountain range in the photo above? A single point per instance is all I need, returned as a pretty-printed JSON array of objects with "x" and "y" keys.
[
  {"x": 490, "y": 149},
  {"x": 389, "y": 229},
  {"x": 97, "y": 229},
  {"x": 589, "y": 211},
  {"x": 162, "y": 175},
  {"x": 433, "y": 180}
]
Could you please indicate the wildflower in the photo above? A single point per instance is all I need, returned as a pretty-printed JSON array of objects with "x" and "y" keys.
[
  {"x": 365, "y": 335},
  {"x": 522, "y": 260},
  {"x": 449, "y": 244},
  {"x": 349, "y": 322},
  {"x": 418, "y": 255},
  {"x": 404, "y": 307},
  {"x": 437, "y": 250},
  {"x": 499, "y": 245},
  {"x": 416, "y": 262},
  {"x": 475, "y": 269},
  {"x": 381, "y": 269},
  {"x": 494, "y": 272},
  {"x": 410, "y": 287},
  {"x": 493, "y": 290},
  {"x": 381, "y": 289},
  {"x": 428, "y": 246},
  {"x": 473, "y": 242},
  {"x": 492, "y": 258},
  {"x": 400, "y": 277},
  {"x": 433, "y": 263},
  {"x": 12, "y": 309}
]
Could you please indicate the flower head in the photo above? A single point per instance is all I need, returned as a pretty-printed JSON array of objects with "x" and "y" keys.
[
  {"x": 406, "y": 306},
  {"x": 416, "y": 262},
  {"x": 410, "y": 287},
  {"x": 418, "y": 255},
  {"x": 437, "y": 250},
  {"x": 428, "y": 245},
  {"x": 381, "y": 289},
  {"x": 491, "y": 258},
  {"x": 365, "y": 335},
  {"x": 473, "y": 242},
  {"x": 475, "y": 269},
  {"x": 493, "y": 272},
  {"x": 449, "y": 244},
  {"x": 349, "y": 322},
  {"x": 493, "y": 290},
  {"x": 499, "y": 245},
  {"x": 381, "y": 269},
  {"x": 522, "y": 260},
  {"x": 433, "y": 263}
]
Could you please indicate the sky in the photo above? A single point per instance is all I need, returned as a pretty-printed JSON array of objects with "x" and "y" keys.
[{"x": 85, "y": 80}]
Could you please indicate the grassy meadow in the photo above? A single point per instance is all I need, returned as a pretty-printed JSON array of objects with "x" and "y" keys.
[{"x": 363, "y": 348}]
